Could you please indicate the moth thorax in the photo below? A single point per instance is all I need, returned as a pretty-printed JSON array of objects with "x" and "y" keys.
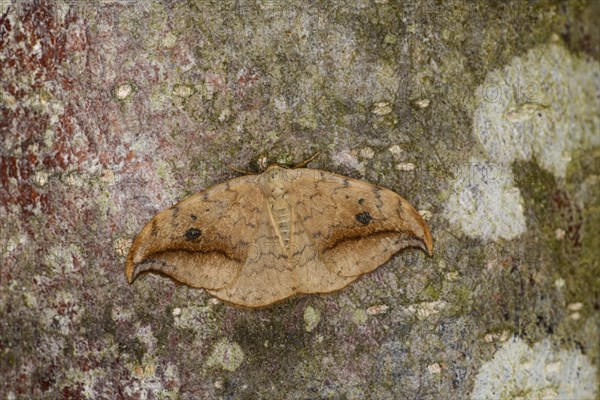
[{"x": 281, "y": 211}]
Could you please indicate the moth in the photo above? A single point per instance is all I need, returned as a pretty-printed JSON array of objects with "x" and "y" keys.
[{"x": 259, "y": 239}]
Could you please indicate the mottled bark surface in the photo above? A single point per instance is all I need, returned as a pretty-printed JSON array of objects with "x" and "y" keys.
[{"x": 483, "y": 115}]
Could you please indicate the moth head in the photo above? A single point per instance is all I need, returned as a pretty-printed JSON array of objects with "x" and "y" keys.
[
  {"x": 264, "y": 164},
  {"x": 274, "y": 182}
]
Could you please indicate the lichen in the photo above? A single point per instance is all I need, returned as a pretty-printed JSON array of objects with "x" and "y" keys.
[
  {"x": 359, "y": 316},
  {"x": 542, "y": 105},
  {"x": 538, "y": 372},
  {"x": 523, "y": 112},
  {"x": 484, "y": 203},
  {"x": 312, "y": 317},
  {"x": 226, "y": 355}
]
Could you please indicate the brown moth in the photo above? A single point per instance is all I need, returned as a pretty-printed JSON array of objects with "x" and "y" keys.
[{"x": 258, "y": 239}]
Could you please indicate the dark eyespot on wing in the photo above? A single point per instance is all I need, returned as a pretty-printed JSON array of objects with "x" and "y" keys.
[
  {"x": 192, "y": 234},
  {"x": 364, "y": 218}
]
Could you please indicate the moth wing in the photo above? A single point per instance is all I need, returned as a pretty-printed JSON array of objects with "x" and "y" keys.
[
  {"x": 266, "y": 276},
  {"x": 354, "y": 226},
  {"x": 202, "y": 241},
  {"x": 311, "y": 275}
]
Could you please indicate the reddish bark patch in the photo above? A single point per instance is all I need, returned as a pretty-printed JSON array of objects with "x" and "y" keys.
[{"x": 33, "y": 48}]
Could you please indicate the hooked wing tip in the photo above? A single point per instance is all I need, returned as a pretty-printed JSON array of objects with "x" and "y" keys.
[
  {"x": 419, "y": 230},
  {"x": 131, "y": 268},
  {"x": 427, "y": 240},
  {"x": 130, "y": 272}
]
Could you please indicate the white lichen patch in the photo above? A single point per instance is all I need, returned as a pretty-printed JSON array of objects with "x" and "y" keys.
[
  {"x": 165, "y": 171},
  {"x": 426, "y": 309},
  {"x": 144, "y": 371},
  {"x": 120, "y": 314},
  {"x": 575, "y": 306},
  {"x": 543, "y": 105},
  {"x": 169, "y": 40},
  {"x": 74, "y": 179},
  {"x": 121, "y": 246},
  {"x": 367, "y": 152},
  {"x": 148, "y": 383},
  {"x": 422, "y": 103},
  {"x": 193, "y": 317},
  {"x": 559, "y": 283},
  {"x": 62, "y": 259},
  {"x": 12, "y": 244},
  {"x": 183, "y": 91},
  {"x": 40, "y": 178},
  {"x": 575, "y": 316},
  {"x": 425, "y": 214},
  {"x": 85, "y": 379},
  {"x": 452, "y": 276},
  {"x": 538, "y": 372},
  {"x": 396, "y": 150},
  {"x": 484, "y": 203},
  {"x": 434, "y": 368},
  {"x": 495, "y": 336},
  {"x": 382, "y": 108},
  {"x": 226, "y": 355},
  {"x": 405, "y": 166},
  {"x": 146, "y": 336},
  {"x": 378, "y": 309},
  {"x": 224, "y": 115},
  {"x": 63, "y": 313},
  {"x": 312, "y": 317},
  {"x": 124, "y": 91},
  {"x": 348, "y": 159},
  {"x": 107, "y": 176}
]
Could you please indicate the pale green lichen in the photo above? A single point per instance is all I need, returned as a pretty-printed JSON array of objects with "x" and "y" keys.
[
  {"x": 183, "y": 90},
  {"x": 538, "y": 372},
  {"x": 226, "y": 355},
  {"x": 197, "y": 318},
  {"x": 312, "y": 317},
  {"x": 359, "y": 316},
  {"x": 426, "y": 309}
]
